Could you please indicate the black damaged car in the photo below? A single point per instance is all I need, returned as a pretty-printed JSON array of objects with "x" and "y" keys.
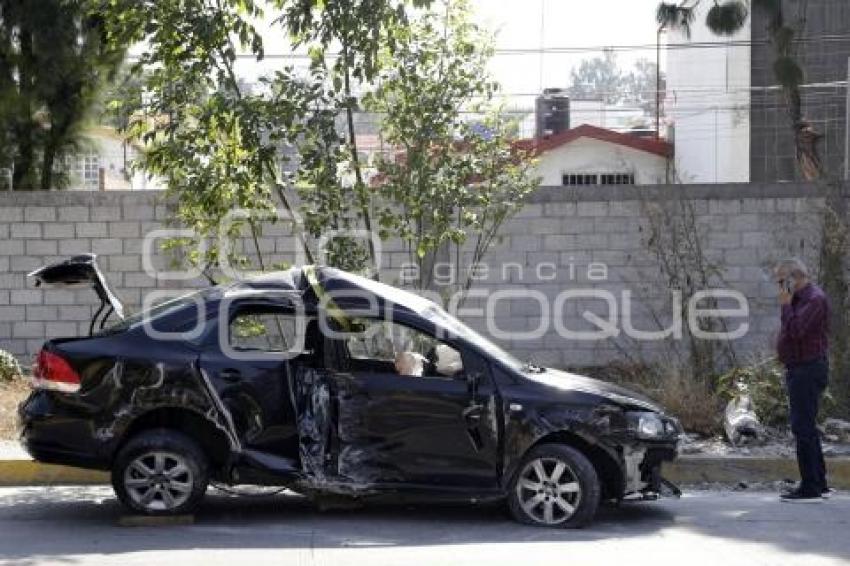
[{"x": 329, "y": 383}]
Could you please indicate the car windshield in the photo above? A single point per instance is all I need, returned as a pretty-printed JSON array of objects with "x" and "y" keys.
[
  {"x": 433, "y": 313},
  {"x": 160, "y": 310},
  {"x": 445, "y": 321}
]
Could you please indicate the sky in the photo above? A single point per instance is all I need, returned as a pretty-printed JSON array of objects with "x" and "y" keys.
[
  {"x": 565, "y": 24},
  {"x": 517, "y": 24},
  {"x": 537, "y": 44}
]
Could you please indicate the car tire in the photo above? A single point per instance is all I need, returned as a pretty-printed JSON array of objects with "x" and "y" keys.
[
  {"x": 160, "y": 472},
  {"x": 567, "y": 495}
]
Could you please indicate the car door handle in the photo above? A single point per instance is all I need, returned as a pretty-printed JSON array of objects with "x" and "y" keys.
[{"x": 231, "y": 375}]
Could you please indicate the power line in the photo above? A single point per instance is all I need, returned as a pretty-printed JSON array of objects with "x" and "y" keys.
[
  {"x": 577, "y": 49},
  {"x": 707, "y": 90},
  {"x": 667, "y": 46}
]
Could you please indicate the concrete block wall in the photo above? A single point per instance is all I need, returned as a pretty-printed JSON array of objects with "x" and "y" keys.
[
  {"x": 40, "y": 228},
  {"x": 567, "y": 231},
  {"x": 744, "y": 229}
]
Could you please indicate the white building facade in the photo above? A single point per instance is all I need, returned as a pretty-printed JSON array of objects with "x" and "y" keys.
[
  {"x": 588, "y": 155},
  {"x": 106, "y": 164},
  {"x": 707, "y": 102}
]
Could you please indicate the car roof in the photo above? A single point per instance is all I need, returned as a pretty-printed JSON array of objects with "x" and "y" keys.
[{"x": 291, "y": 279}]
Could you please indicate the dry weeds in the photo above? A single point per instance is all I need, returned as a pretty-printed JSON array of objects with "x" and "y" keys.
[{"x": 11, "y": 394}]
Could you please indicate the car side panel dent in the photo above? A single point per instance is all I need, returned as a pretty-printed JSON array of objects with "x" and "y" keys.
[
  {"x": 154, "y": 387},
  {"x": 534, "y": 423}
]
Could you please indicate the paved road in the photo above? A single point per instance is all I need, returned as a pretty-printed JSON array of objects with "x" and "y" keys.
[{"x": 64, "y": 525}]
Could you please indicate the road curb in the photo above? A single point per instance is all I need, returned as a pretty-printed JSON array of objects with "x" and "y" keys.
[
  {"x": 684, "y": 471},
  {"x": 22, "y": 472},
  {"x": 707, "y": 469}
]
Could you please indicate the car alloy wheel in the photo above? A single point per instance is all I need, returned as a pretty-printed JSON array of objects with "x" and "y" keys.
[
  {"x": 159, "y": 480},
  {"x": 548, "y": 491}
]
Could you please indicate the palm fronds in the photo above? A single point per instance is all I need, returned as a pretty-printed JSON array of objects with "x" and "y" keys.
[
  {"x": 675, "y": 16},
  {"x": 727, "y": 18}
]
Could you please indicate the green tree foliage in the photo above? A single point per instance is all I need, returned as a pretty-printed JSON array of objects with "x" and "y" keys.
[
  {"x": 641, "y": 85},
  {"x": 360, "y": 29},
  {"x": 53, "y": 62},
  {"x": 219, "y": 147},
  {"x": 602, "y": 78},
  {"x": 456, "y": 173},
  {"x": 119, "y": 99},
  {"x": 599, "y": 77}
]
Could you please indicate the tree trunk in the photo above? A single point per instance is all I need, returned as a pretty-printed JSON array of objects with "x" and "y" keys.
[
  {"x": 806, "y": 138},
  {"x": 23, "y": 177},
  {"x": 46, "y": 181},
  {"x": 25, "y": 124},
  {"x": 355, "y": 161}
]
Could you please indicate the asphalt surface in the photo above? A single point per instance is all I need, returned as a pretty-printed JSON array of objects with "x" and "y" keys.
[{"x": 81, "y": 525}]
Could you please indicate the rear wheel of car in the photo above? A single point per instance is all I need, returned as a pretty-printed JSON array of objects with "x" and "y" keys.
[
  {"x": 160, "y": 472},
  {"x": 554, "y": 486}
]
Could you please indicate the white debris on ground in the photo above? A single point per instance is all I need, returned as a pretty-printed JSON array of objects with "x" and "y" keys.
[
  {"x": 740, "y": 422},
  {"x": 774, "y": 443},
  {"x": 778, "y": 486},
  {"x": 12, "y": 450},
  {"x": 836, "y": 430}
]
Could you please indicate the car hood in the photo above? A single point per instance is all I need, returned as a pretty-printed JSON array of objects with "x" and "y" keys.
[{"x": 566, "y": 381}]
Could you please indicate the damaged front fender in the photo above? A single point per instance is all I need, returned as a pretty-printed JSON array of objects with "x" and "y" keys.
[{"x": 623, "y": 463}]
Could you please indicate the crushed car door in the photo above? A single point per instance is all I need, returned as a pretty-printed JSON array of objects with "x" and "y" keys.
[{"x": 403, "y": 417}]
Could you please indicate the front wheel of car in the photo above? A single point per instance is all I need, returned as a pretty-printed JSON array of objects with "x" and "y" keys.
[
  {"x": 554, "y": 486},
  {"x": 160, "y": 472}
]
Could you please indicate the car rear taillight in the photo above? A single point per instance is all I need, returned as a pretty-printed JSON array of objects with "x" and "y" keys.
[{"x": 52, "y": 371}]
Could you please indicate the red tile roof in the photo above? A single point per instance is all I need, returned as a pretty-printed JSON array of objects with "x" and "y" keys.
[{"x": 650, "y": 145}]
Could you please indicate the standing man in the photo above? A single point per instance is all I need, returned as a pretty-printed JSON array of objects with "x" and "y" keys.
[{"x": 802, "y": 348}]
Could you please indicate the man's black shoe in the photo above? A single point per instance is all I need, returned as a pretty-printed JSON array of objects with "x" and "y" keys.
[
  {"x": 798, "y": 496},
  {"x": 827, "y": 492}
]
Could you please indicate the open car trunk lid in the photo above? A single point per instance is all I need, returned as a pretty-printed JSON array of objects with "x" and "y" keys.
[{"x": 81, "y": 271}]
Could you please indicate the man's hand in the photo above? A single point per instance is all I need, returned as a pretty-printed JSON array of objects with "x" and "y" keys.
[{"x": 785, "y": 297}]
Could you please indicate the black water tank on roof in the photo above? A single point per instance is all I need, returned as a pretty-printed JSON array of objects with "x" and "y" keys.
[{"x": 552, "y": 111}]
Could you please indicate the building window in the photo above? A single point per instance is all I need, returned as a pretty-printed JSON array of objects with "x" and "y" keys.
[
  {"x": 89, "y": 171},
  {"x": 618, "y": 179},
  {"x": 580, "y": 179},
  {"x": 572, "y": 179}
]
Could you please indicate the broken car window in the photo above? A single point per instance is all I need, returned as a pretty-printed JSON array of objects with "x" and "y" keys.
[
  {"x": 412, "y": 353},
  {"x": 268, "y": 332},
  {"x": 450, "y": 325},
  {"x": 186, "y": 306}
]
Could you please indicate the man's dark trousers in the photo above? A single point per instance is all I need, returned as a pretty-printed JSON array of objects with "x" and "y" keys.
[{"x": 806, "y": 382}]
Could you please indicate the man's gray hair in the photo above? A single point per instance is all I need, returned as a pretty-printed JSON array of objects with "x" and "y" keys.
[{"x": 792, "y": 266}]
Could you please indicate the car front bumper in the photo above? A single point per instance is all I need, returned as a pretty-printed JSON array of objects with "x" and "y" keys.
[{"x": 642, "y": 463}]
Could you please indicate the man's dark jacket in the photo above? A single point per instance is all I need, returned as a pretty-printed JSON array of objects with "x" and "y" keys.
[{"x": 805, "y": 327}]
